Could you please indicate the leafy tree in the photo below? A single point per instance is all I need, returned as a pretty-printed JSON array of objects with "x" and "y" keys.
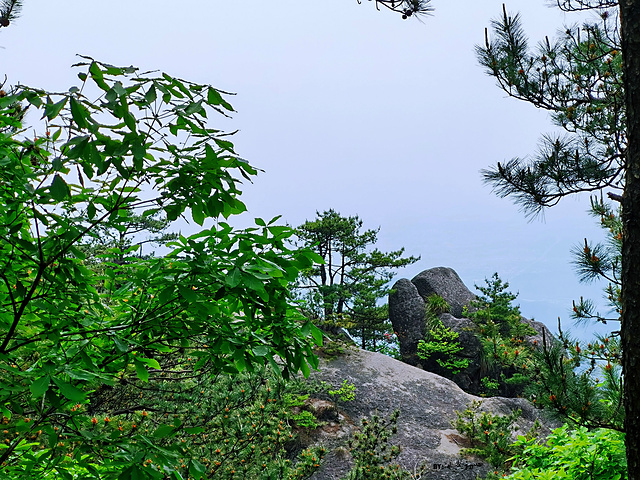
[
  {"x": 343, "y": 291},
  {"x": 217, "y": 303},
  {"x": 590, "y": 82}
]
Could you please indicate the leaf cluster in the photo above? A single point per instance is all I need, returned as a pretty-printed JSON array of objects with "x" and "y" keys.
[
  {"x": 440, "y": 347},
  {"x": 578, "y": 454},
  {"x": 120, "y": 150}
]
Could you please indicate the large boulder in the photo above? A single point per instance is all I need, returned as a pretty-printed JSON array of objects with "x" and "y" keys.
[
  {"x": 427, "y": 404},
  {"x": 469, "y": 378},
  {"x": 445, "y": 282},
  {"x": 407, "y": 314}
]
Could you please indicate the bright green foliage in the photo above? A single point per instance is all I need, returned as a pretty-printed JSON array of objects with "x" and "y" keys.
[
  {"x": 502, "y": 333},
  {"x": 490, "y": 434},
  {"x": 579, "y": 454},
  {"x": 344, "y": 290},
  {"x": 70, "y": 332},
  {"x": 346, "y": 392},
  {"x": 441, "y": 345}
]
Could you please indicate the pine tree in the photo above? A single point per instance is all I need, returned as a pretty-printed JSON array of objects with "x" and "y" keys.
[
  {"x": 589, "y": 81},
  {"x": 344, "y": 291}
]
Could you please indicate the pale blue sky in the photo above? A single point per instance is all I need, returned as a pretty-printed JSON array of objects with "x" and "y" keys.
[{"x": 348, "y": 108}]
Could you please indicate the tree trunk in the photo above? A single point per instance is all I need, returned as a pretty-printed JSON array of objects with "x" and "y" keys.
[{"x": 630, "y": 326}]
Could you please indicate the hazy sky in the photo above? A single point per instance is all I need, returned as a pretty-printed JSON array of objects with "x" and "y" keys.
[{"x": 348, "y": 108}]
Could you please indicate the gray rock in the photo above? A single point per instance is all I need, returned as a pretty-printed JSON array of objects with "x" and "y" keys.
[
  {"x": 407, "y": 315},
  {"x": 427, "y": 405},
  {"x": 469, "y": 378},
  {"x": 445, "y": 282}
]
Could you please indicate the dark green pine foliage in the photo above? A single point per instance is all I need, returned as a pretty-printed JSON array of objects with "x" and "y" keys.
[
  {"x": 345, "y": 290},
  {"x": 9, "y": 11},
  {"x": 577, "y": 78},
  {"x": 506, "y": 354},
  {"x": 582, "y": 381}
]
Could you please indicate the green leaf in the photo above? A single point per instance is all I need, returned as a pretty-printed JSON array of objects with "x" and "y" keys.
[
  {"x": 196, "y": 469},
  {"x": 59, "y": 188},
  {"x": 91, "y": 211},
  {"x": 141, "y": 370},
  {"x": 64, "y": 474},
  {"x": 239, "y": 360},
  {"x": 260, "y": 350},
  {"x": 78, "y": 113},
  {"x": 40, "y": 386},
  {"x": 316, "y": 333},
  {"x": 197, "y": 214},
  {"x": 121, "y": 346},
  {"x": 151, "y": 94},
  {"x": 69, "y": 391},
  {"x": 233, "y": 279},
  {"x": 164, "y": 431},
  {"x": 214, "y": 98},
  {"x": 51, "y": 110},
  {"x": 193, "y": 107},
  {"x": 150, "y": 362},
  {"x": 98, "y": 76},
  {"x": 5, "y": 412},
  {"x": 304, "y": 368}
]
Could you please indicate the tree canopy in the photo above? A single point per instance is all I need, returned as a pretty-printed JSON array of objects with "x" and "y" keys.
[
  {"x": 122, "y": 147},
  {"x": 590, "y": 82},
  {"x": 345, "y": 288}
]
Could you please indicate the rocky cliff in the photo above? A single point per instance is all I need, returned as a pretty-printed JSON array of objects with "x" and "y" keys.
[
  {"x": 407, "y": 312},
  {"x": 427, "y": 404}
]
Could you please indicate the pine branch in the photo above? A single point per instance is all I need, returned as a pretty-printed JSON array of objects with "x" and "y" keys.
[
  {"x": 9, "y": 11},
  {"x": 406, "y": 8}
]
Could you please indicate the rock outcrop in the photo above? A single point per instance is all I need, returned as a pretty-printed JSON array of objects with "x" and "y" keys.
[
  {"x": 446, "y": 283},
  {"x": 407, "y": 312},
  {"x": 427, "y": 404}
]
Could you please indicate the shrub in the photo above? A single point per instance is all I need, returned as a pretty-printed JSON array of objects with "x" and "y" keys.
[{"x": 577, "y": 454}]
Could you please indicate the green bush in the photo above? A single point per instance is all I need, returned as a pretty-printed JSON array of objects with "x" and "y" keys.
[
  {"x": 490, "y": 434},
  {"x": 577, "y": 454},
  {"x": 372, "y": 452},
  {"x": 501, "y": 331},
  {"x": 442, "y": 346}
]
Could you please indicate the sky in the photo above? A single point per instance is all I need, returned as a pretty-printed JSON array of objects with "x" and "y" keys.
[{"x": 346, "y": 107}]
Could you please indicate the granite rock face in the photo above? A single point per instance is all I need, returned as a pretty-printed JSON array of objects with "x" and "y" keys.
[
  {"x": 427, "y": 404},
  {"x": 407, "y": 313},
  {"x": 446, "y": 283}
]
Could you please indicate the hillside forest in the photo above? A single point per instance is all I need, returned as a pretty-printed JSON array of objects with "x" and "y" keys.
[{"x": 131, "y": 349}]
